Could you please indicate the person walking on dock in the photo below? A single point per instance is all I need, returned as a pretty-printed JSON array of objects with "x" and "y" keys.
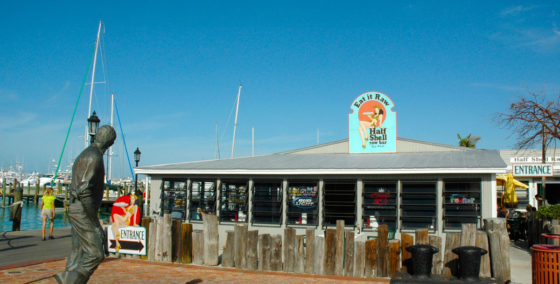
[{"x": 47, "y": 211}]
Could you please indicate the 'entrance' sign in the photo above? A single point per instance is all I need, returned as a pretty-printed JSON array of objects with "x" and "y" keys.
[
  {"x": 533, "y": 170},
  {"x": 132, "y": 240}
]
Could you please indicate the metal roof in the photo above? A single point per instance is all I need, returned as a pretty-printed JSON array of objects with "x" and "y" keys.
[{"x": 476, "y": 161}]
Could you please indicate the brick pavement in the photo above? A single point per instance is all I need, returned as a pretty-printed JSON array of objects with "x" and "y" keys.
[{"x": 115, "y": 270}]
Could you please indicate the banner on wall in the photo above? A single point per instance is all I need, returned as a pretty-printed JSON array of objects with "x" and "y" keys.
[{"x": 372, "y": 124}]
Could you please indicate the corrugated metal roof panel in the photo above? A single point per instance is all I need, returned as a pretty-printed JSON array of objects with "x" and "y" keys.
[{"x": 477, "y": 159}]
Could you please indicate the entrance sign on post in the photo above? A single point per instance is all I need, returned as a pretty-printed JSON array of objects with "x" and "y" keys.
[
  {"x": 132, "y": 240},
  {"x": 372, "y": 125}
]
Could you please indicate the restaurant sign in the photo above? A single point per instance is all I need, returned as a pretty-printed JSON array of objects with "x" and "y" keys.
[
  {"x": 372, "y": 125},
  {"x": 533, "y": 170}
]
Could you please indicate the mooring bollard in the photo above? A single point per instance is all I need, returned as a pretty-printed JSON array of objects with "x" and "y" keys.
[
  {"x": 469, "y": 262},
  {"x": 422, "y": 260}
]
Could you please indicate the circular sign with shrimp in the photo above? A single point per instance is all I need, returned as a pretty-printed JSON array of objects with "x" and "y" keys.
[{"x": 372, "y": 125}]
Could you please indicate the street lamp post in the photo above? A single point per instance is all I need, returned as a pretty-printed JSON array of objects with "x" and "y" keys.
[
  {"x": 137, "y": 154},
  {"x": 93, "y": 125},
  {"x": 139, "y": 195}
]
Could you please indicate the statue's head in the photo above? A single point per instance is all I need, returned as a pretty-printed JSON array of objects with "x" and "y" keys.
[{"x": 105, "y": 137}]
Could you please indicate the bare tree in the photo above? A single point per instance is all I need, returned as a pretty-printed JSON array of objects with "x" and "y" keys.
[{"x": 534, "y": 119}]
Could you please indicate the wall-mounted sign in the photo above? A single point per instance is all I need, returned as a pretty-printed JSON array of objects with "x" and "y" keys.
[
  {"x": 372, "y": 125},
  {"x": 533, "y": 170},
  {"x": 534, "y": 159}
]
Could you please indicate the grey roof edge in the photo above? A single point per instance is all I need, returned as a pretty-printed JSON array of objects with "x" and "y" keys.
[
  {"x": 398, "y": 138},
  {"x": 492, "y": 163}
]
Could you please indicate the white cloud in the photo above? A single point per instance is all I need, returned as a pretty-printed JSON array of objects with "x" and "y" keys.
[
  {"x": 7, "y": 96},
  {"x": 529, "y": 27},
  {"x": 515, "y": 10},
  {"x": 496, "y": 86},
  {"x": 9, "y": 122},
  {"x": 54, "y": 97}
]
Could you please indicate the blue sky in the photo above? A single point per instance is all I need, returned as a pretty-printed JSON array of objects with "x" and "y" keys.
[{"x": 175, "y": 67}]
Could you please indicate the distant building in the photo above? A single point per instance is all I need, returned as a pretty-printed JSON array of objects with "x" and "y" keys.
[{"x": 527, "y": 167}]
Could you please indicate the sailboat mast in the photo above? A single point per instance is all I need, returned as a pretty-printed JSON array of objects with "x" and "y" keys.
[
  {"x": 110, "y": 164},
  {"x": 93, "y": 71},
  {"x": 235, "y": 123}
]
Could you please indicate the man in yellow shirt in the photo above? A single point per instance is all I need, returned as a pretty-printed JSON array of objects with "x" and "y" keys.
[{"x": 47, "y": 211}]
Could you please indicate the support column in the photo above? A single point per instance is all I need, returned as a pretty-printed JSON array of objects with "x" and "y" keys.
[
  {"x": 321, "y": 190},
  {"x": 439, "y": 207},
  {"x": 188, "y": 198},
  {"x": 250, "y": 187},
  {"x": 359, "y": 204},
  {"x": 284, "y": 219},
  {"x": 399, "y": 201},
  {"x": 155, "y": 200},
  {"x": 218, "y": 197}
]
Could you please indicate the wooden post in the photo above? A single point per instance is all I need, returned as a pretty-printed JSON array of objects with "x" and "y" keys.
[
  {"x": 252, "y": 239},
  {"x": 166, "y": 245},
  {"x": 309, "y": 250},
  {"x": 349, "y": 253},
  {"x": 276, "y": 253},
  {"x": 288, "y": 248},
  {"x": 211, "y": 240},
  {"x": 499, "y": 247},
  {"x": 59, "y": 189},
  {"x": 259, "y": 251},
  {"x": 186, "y": 249},
  {"x": 227, "y": 255},
  {"x": 452, "y": 240},
  {"x": 107, "y": 192},
  {"x": 482, "y": 242},
  {"x": 176, "y": 241},
  {"x": 371, "y": 258},
  {"x": 339, "y": 249},
  {"x": 383, "y": 251},
  {"x": 468, "y": 234},
  {"x": 359, "y": 259},
  {"x": 407, "y": 240},
  {"x": 240, "y": 246},
  {"x": 4, "y": 193},
  {"x": 421, "y": 237},
  {"x": 437, "y": 259},
  {"x": 266, "y": 250},
  {"x": 152, "y": 240},
  {"x": 198, "y": 247},
  {"x": 319, "y": 251},
  {"x": 300, "y": 255},
  {"x": 330, "y": 251},
  {"x": 394, "y": 257},
  {"x": 146, "y": 224},
  {"x": 36, "y": 199},
  {"x": 159, "y": 239}
]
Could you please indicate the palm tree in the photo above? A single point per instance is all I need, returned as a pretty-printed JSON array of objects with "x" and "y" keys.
[{"x": 469, "y": 141}]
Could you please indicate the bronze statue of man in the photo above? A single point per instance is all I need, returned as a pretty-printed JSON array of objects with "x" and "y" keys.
[{"x": 86, "y": 193}]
